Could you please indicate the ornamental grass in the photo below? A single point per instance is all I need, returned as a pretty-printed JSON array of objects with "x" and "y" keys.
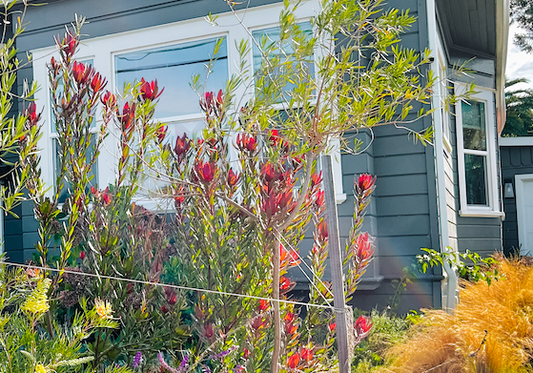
[{"x": 490, "y": 331}]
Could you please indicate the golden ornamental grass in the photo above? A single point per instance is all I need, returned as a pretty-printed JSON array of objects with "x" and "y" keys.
[{"x": 491, "y": 330}]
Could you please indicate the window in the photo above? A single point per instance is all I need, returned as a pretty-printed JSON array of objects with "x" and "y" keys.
[
  {"x": 476, "y": 152},
  {"x": 172, "y": 53}
]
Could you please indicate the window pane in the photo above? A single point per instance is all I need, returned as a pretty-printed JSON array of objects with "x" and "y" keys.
[
  {"x": 474, "y": 128},
  {"x": 476, "y": 185},
  {"x": 173, "y": 67},
  {"x": 66, "y": 191},
  {"x": 272, "y": 35}
]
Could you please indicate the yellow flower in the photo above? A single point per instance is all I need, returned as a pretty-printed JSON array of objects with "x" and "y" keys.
[
  {"x": 40, "y": 369},
  {"x": 37, "y": 302},
  {"x": 103, "y": 308}
]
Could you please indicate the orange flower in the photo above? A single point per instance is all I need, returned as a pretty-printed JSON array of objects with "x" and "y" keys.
[{"x": 293, "y": 360}]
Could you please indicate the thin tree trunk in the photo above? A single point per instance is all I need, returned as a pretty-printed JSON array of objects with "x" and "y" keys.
[{"x": 275, "y": 306}]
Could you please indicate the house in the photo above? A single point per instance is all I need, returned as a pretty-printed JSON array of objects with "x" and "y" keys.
[{"x": 445, "y": 195}]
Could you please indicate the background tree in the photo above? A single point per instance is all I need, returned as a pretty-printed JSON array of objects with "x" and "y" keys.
[
  {"x": 519, "y": 121},
  {"x": 522, "y": 14}
]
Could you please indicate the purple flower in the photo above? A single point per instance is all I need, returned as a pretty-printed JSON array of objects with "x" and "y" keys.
[
  {"x": 183, "y": 363},
  {"x": 137, "y": 360}
]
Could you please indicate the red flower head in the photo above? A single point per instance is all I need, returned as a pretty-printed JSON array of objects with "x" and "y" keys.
[
  {"x": 364, "y": 247},
  {"x": 69, "y": 45},
  {"x": 182, "y": 145},
  {"x": 149, "y": 90},
  {"x": 233, "y": 178},
  {"x": 82, "y": 255},
  {"x": 284, "y": 283},
  {"x": 81, "y": 73},
  {"x": 94, "y": 190},
  {"x": 170, "y": 296},
  {"x": 264, "y": 305},
  {"x": 307, "y": 354},
  {"x": 316, "y": 179},
  {"x": 106, "y": 196},
  {"x": 288, "y": 257},
  {"x": 245, "y": 142},
  {"x": 332, "y": 327},
  {"x": 205, "y": 171},
  {"x": 98, "y": 82},
  {"x": 322, "y": 229},
  {"x": 164, "y": 309},
  {"x": 161, "y": 133},
  {"x": 320, "y": 198},
  {"x": 109, "y": 100},
  {"x": 208, "y": 330},
  {"x": 31, "y": 114},
  {"x": 362, "y": 326},
  {"x": 270, "y": 206},
  {"x": 293, "y": 360},
  {"x": 258, "y": 323},
  {"x": 246, "y": 353},
  {"x": 270, "y": 173},
  {"x": 128, "y": 116},
  {"x": 365, "y": 183}
]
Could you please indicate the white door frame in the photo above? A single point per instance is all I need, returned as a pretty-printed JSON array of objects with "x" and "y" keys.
[{"x": 520, "y": 180}]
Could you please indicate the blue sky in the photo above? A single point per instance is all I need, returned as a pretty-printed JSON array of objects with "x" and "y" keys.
[{"x": 519, "y": 64}]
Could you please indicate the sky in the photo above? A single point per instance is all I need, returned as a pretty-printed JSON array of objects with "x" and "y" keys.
[{"x": 519, "y": 64}]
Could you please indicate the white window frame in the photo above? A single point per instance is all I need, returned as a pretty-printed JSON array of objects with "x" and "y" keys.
[
  {"x": 102, "y": 51},
  {"x": 492, "y": 209}
]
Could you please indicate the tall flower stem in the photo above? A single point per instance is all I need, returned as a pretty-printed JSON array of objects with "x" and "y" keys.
[{"x": 275, "y": 306}]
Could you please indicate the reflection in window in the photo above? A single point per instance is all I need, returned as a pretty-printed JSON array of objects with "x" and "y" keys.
[
  {"x": 474, "y": 127},
  {"x": 174, "y": 66},
  {"x": 475, "y": 174}
]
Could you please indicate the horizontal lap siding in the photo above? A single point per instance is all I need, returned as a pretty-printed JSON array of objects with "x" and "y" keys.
[{"x": 515, "y": 160}]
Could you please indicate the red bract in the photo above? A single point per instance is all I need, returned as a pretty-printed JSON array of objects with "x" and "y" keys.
[
  {"x": 208, "y": 330},
  {"x": 246, "y": 353},
  {"x": 206, "y": 171},
  {"x": 161, "y": 133},
  {"x": 320, "y": 198},
  {"x": 258, "y": 323},
  {"x": 365, "y": 182},
  {"x": 233, "y": 178},
  {"x": 332, "y": 327},
  {"x": 69, "y": 44},
  {"x": 270, "y": 206},
  {"x": 263, "y": 305},
  {"x": 109, "y": 100},
  {"x": 150, "y": 90},
  {"x": 323, "y": 230},
  {"x": 362, "y": 326},
  {"x": 80, "y": 72},
  {"x": 316, "y": 179},
  {"x": 82, "y": 255},
  {"x": 284, "y": 283},
  {"x": 106, "y": 196},
  {"x": 98, "y": 82},
  {"x": 182, "y": 145},
  {"x": 288, "y": 257},
  {"x": 293, "y": 360},
  {"x": 270, "y": 173},
  {"x": 170, "y": 296},
  {"x": 307, "y": 354},
  {"x": 31, "y": 114},
  {"x": 364, "y": 247},
  {"x": 246, "y": 142},
  {"x": 128, "y": 116},
  {"x": 94, "y": 190}
]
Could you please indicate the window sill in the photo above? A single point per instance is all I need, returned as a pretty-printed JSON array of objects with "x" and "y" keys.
[{"x": 481, "y": 213}]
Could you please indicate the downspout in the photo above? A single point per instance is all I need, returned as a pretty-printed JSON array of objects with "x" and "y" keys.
[
  {"x": 502, "y": 37},
  {"x": 450, "y": 281}
]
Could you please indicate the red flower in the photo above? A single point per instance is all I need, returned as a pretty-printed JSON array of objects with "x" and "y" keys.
[
  {"x": 362, "y": 326},
  {"x": 109, "y": 100},
  {"x": 31, "y": 114},
  {"x": 258, "y": 323},
  {"x": 316, "y": 179},
  {"x": 182, "y": 145},
  {"x": 220, "y": 97},
  {"x": 69, "y": 44},
  {"x": 288, "y": 257},
  {"x": 246, "y": 353},
  {"x": 365, "y": 182},
  {"x": 82, "y": 255},
  {"x": 264, "y": 305},
  {"x": 149, "y": 90},
  {"x": 94, "y": 190},
  {"x": 208, "y": 330},
  {"x": 170, "y": 296},
  {"x": 98, "y": 82},
  {"x": 274, "y": 136},
  {"x": 128, "y": 116},
  {"x": 322, "y": 229},
  {"x": 246, "y": 142},
  {"x": 233, "y": 178},
  {"x": 179, "y": 197},
  {"x": 320, "y": 198},
  {"x": 161, "y": 133},
  {"x": 332, "y": 327},
  {"x": 270, "y": 206},
  {"x": 307, "y": 354},
  {"x": 106, "y": 196},
  {"x": 270, "y": 173},
  {"x": 364, "y": 247},
  {"x": 164, "y": 309},
  {"x": 284, "y": 283},
  {"x": 293, "y": 360},
  {"x": 81, "y": 73},
  {"x": 206, "y": 171}
]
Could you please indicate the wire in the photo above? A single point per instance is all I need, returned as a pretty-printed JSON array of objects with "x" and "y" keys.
[{"x": 179, "y": 287}]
